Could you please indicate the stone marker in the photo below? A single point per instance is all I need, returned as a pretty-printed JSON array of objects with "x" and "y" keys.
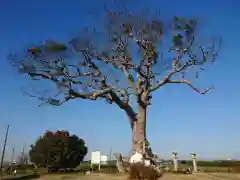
[
  {"x": 194, "y": 160},
  {"x": 175, "y": 161}
]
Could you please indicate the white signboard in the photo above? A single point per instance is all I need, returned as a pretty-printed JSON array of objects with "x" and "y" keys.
[
  {"x": 96, "y": 157},
  {"x": 104, "y": 159}
]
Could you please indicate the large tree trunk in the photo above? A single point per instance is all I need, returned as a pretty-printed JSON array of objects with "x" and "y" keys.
[{"x": 139, "y": 131}]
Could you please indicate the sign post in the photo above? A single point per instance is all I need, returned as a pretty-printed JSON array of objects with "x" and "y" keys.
[
  {"x": 95, "y": 159},
  {"x": 98, "y": 159}
]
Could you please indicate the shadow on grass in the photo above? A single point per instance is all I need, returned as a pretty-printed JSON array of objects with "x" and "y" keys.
[{"x": 23, "y": 177}]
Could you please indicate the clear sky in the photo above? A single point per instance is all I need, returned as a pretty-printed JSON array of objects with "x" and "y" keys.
[{"x": 179, "y": 119}]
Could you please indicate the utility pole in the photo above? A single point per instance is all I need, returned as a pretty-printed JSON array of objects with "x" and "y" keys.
[
  {"x": 23, "y": 157},
  {"x": 110, "y": 159},
  {"x": 23, "y": 150},
  {"x": 110, "y": 154},
  {"x": 13, "y": 153},
  {"x": 3, "y": 151}
]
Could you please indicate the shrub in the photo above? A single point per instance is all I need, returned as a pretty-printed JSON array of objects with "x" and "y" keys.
[{"x": 140, "y": 171}]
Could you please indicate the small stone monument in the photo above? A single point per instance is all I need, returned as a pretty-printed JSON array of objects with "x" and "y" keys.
[
  {"x": 122, "y": 165},
  {"x": 175, "y": 161},
  {"x": 194, "y": 160}
]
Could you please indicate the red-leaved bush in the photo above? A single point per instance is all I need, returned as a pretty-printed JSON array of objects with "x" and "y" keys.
[{"x": 138, "y": 171}]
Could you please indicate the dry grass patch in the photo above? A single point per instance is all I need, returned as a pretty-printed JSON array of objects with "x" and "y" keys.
[{"x": 166, "y": 176}]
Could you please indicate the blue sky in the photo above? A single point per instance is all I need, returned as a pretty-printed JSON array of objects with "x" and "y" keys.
[{"x": 179, "y": 119}]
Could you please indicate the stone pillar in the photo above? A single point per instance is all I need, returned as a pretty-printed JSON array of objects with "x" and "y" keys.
[
  {"x": 194, "y": 160},
  {"x": 175, "y": 161}
]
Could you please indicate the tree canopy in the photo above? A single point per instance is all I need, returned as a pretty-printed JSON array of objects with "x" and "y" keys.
[
  {"x": 131, "y": 44},
  {"x": 58, "y": 149},
  {"x": 134, "y": 55}
]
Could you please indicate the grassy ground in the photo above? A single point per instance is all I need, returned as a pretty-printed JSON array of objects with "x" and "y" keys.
[
  {"x": 167, "y": 176},
  {"x": 119, "y": 176},
  {"x": 21, "y": 177},
  {"x": 206, "y": 173}
]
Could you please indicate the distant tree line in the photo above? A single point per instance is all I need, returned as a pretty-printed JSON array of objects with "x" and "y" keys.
[
  {"x": 215, "y": 163},
  {"x": 201, "y": 163}
]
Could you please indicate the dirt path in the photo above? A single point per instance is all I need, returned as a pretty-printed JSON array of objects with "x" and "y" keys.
[{"x": 197, "y": 176}]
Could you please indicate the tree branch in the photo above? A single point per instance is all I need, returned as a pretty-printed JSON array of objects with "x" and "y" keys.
[
  {"x": 73, "y": 94},
  {"x": 91, "y": 96},
  {"x": 48, "y": 100},
  {"x": 182, "y": 81},
  {"x": 130, "y": 80},
  {"x": 169, "y": 74},
  {"x": 124, "y": 66},
  {"x": 177, "y": 67},
  {"x": 126, "y": 107}
]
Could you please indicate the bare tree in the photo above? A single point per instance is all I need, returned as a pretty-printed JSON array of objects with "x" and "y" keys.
[{"x": 122, "y": 62}]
